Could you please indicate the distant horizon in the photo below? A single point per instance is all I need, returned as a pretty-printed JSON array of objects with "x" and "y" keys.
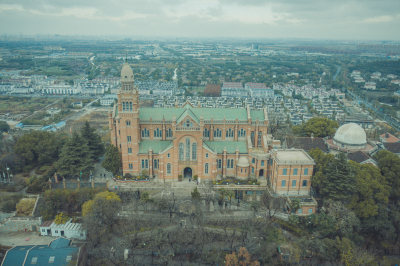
[{"x": 56, "y": 36}]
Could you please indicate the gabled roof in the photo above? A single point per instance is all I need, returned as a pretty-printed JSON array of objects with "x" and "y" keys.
[
  {"x": 389, "y": 138},
  {"x": 358, "y": 156},
  {"x": 186, "y": 113},
  {"x": 393, "y": 147}
]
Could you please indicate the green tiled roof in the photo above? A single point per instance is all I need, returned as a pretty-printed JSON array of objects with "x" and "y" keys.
[
  {"x": 188, "y": 112},
  {"x": 146, "y": 113},
  {"x": 257, "y": 115},
  {"x": 156, "y": 145},
  {"x": 231, "y": 146}
]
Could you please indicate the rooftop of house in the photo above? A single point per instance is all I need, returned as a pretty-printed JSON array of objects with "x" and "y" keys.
[
  {"x": 58, "y": 252},
  {"x": 358, "y": 156},
  {"x": 393, "y": 147},
  {"x": 292, "y": 156},
  {"x": 389, "y": 138}
]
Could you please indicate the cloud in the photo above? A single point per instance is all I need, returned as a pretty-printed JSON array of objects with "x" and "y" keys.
[
  {"x": 381, "y": 19},
  {"x": 212, "y": 18}
]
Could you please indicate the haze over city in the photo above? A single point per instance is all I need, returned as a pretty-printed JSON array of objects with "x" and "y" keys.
[{"x": 315, "y": 19}]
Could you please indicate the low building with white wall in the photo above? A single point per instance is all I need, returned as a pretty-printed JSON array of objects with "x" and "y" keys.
[{"x": 68, "y": 230}]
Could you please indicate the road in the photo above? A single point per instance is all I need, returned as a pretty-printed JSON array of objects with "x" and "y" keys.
[
  {"x": 388, "y": 118},
  {"x": 338, "y": 69}
]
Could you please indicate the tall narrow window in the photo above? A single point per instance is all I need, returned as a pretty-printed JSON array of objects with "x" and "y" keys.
[
  {"x": 284, "y": 172},
  {"x": 181, "y": 151},
  {"x": 206, "y": 133},
  {"x": 187, "y": 149},
  {"x": 206, "y": 168},
  {"x": 129, "y": 138},
  {"x": 219, "y": 163},
  {"x": 168, "y": 168},
  {"x": 194, "y": 151},
  {"x": 130, "y": 106},
  {"x": 305, "y": 171},
  {"x": 259, "y": 138}
]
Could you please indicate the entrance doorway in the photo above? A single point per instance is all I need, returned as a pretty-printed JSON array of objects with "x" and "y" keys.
[
  {"x": 261, "y": 173},
  {"x": 187, "y": 172}
]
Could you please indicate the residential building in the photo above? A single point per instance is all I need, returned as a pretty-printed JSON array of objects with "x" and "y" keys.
[{"x": 233, "y": 89}]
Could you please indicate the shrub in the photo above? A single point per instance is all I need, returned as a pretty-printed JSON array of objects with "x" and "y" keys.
[
  {"x": 25, "y": 206},
  {"x": 61, "y": 218}
]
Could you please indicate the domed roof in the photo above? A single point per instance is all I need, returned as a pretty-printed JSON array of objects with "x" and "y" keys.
[
  {"x": 243, "y": 162},
  {"x": 126, "y": 73},
  {"x": 351, "y": 134}
]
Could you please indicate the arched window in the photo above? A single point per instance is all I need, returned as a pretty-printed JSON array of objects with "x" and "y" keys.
[
  {"x": 194, "y": 151},
  {"x": 241, "y": 133},
  {"x": 206, "y": 133},
  {"x": 188, "y": 123},
  {"x": 229, "y": 133},
  {"x": 206, "y": 168},
  {"x": 145, "y": 133},
  {"x": 259, "y": 138},
  {"x": 168, "y": 168},
  {"x": 181, "y": 151},
  {"x": 157, "y": 133},
  {"x": 168, "y": 133},
  {"x": 187, "y": 149},
  {"x": 217, "y": 133}
]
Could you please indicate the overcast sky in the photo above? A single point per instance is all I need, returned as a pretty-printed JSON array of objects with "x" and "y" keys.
[{"x": 317, "y": 19}]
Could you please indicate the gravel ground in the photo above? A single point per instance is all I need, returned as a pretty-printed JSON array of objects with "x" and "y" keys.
[{"x": 24, "y": 238}]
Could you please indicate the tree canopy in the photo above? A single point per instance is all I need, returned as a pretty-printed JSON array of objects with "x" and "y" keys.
[
  {"x": 317, "y": 127},
  {"x": 112, "y": 161},
  {"x": 75, "y": 157},
  {"x": 93, "y": 141},
  {"x": 38, "y": 148},
  {"x": 4, "y": 127},
  {"x": 389, "y": 165}
]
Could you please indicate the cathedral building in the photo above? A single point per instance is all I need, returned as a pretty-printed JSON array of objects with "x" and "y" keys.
[{"x": 210, "y": 143}]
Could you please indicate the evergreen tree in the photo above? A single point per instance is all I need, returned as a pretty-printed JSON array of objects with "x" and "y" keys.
[
  {"x": 112, "y": 160},
  {"x": 75, "y": 158},
  {"x": 93, "y": 141},
  {"x": 339, "y": 182},
  {"x": 389, "y": 164}
]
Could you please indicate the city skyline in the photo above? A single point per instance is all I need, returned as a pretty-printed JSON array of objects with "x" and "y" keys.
[{"x": 309, "y": 19}]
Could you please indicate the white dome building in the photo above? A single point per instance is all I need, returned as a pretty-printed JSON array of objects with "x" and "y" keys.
[{"x": 351, "y": 137}]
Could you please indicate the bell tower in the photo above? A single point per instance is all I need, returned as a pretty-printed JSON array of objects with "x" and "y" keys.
[
  {"x": 128, "y": 122},
  {"x": 128, "y": 97}
]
